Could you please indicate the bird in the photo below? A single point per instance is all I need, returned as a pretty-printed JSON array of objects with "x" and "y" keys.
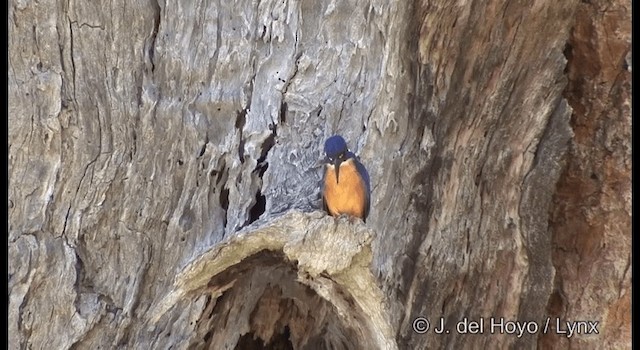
[{"x": 345, "y": 188}]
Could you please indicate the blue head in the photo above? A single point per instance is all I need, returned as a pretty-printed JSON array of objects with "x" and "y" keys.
[{"x": 336, "y": 151}]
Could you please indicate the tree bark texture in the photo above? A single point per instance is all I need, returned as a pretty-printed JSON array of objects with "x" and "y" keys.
[{"x": 164, "y": 172}]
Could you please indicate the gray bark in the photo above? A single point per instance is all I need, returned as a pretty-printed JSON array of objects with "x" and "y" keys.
[{"x": 164, "y": 173}]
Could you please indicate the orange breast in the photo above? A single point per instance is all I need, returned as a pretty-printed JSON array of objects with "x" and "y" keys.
[{"x": 347, "y": 196}]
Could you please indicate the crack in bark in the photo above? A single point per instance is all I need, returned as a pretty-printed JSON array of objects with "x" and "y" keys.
[
  {"x": 157, "y": 10},
  {"x": 93, "y": 26},
  {"x": 296, "y": 63},
  {"x": 73, "y": 62},
  {"x": 75, "y": 196}
]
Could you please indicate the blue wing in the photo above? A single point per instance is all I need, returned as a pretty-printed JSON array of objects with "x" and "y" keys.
[
  {"x": 365, "y": 177},
  {"x": 324, "y": 201}
]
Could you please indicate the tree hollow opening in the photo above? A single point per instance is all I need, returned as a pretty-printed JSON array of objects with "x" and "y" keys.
[{"x": 268, "y": 307}]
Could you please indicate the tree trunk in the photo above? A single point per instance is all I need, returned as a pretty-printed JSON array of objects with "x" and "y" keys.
[{"x": 164, "y": 174}]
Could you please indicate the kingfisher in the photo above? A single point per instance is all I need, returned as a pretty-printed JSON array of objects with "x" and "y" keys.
[{"x": 346, "y": 188}]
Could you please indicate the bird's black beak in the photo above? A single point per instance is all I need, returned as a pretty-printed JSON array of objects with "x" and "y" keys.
[{"x": 336, "y": 166}]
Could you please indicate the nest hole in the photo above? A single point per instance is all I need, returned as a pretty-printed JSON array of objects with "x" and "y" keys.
[{"x": 267, "y": 307}]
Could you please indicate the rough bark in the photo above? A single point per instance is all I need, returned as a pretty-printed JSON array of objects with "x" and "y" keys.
[
  {"x": 591, "y": 220},
  {"x": 164, "y": 172}
]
